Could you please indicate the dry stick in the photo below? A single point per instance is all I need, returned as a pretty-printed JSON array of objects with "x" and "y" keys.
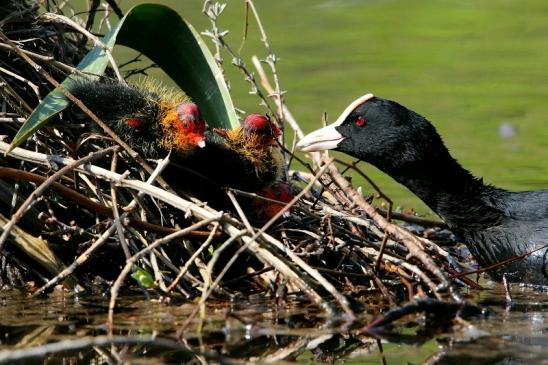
[
  {"x": 85, "y": 109},
  {"x": 270, "y": 59},
  {"x": 45, "y": 59},
  {"x": 378, "y": 260},
  {"x": 383, "y": 196},
  {"x": 255, "y": 196},
  {"x": 6, "y": 88},
  {"x": 197, "y": 253},
  {"x": 250, "y": 243},
  {"x": 79, "y": 261},
  {"x": 84, "y": 201},
  {"x": 13, "y": 120},
  {"x": 22, "y": 79},
  {"x": 212, "y": 11},
  {"x": 413, "y": 268},
  {"x": 115, "y": 213},
  {"x": 421, "y": 221},
  {"x": 296, "y": 259},
  {"x": 270, "y": 90},
  {"x": 498, "y": 264},
  {"x": 155, "y": 175},
  {"x": 20, "y": 13},
  {"x": 158, "y": 277},
  {"x": 389, "y": 215},
  {"x": 240, "y": 211},
  {"x": 85, "y": 256},
  {"x": 141, "y": 186},
  {"x": 237, "y": 61},
  {"x": 359, "y": 221},
  {"x": 195, "y": 209},
  {"x": 133, "y": 259},
  {"x": 45, "y": 185},
  {"x": 167, "y": 262},
  {"x": 96, "y": 41},
  {"x": 9, "y": 356},
  {"x": 206, "y": 274},
  {"x": 412, "y": 243}
]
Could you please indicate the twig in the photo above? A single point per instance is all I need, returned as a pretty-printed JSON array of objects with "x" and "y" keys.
[
  {"x": 46, "y": 59},
  {"x": 499, "y": 264},
  {"x": 96, "y": 41},
  {"x": 133, "y": 259},
  {"x": 197, "y": 253},
  {"x": 410, "y": 241},
  {"x": 271, "y": 92},
  {"x": 271, "y": 60},
  {"x": 78, "y": 262},
  {"x": 7, "y": 356},
  {"x": 115, "y": 213},
  {"x": 82, "y": 200},
  {"x": 45, "y": 185}
]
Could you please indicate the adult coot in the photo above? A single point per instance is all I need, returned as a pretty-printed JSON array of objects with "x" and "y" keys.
[{"x": 495, "y": 224}]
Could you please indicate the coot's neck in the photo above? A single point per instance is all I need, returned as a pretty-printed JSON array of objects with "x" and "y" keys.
[{"x": 459, "y": 198}]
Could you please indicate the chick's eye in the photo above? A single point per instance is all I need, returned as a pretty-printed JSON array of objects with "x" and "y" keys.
[{"x": 360, "y": 122}]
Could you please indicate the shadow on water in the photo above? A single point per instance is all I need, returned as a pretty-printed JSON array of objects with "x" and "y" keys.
[{"x": 259, "y": 331}]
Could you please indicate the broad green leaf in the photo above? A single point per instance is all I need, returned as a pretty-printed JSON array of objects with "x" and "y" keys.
[
  {"x": 172, "y": 43},
  {"x": 94, "y": 63},
  {"x": 161, "y": 34}
]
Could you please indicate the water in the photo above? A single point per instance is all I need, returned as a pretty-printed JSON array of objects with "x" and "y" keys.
[{"x": 257, "y": 330}]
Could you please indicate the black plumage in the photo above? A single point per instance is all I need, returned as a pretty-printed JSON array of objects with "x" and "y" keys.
[
  {"x": 115, "y": 103},
  {"x": 495, "y": 224}
]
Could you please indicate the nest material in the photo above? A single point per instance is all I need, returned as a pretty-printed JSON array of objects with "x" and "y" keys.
[{"x": 106, "y": 218}]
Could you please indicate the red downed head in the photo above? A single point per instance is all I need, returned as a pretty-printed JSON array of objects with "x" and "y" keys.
[
  {"x": 191, "y": 122},
  {"x": 261, "y": 124}
]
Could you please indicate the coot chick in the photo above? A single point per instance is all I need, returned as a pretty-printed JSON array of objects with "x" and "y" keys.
[
  {"x": 150, "y": 118},
  {"x": 495, "y": 224},
  {"x": 245, "y": 158}
]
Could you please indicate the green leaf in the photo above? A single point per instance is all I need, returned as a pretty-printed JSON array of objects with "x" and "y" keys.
[
  {"x": 94, "y": 63},
  {"x": 144, "y": 278},
  {"x": 162, "y": 35},
  {"x": 172, "y": 43}
]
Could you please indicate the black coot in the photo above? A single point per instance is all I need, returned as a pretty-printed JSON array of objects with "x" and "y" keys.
[{"x": 494, "y": 223}]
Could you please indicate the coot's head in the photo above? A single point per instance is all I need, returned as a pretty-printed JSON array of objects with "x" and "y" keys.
[
  {"x": 190, "y": 124},
  {"x": 261, "y": 126},
  {"x": 379, "y": 131}
]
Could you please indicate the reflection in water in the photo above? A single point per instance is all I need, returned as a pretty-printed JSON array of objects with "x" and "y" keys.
[{"x": 261, "y": 332}]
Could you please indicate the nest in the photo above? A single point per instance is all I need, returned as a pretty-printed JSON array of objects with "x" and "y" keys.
[{"x": 78, "y": 210}]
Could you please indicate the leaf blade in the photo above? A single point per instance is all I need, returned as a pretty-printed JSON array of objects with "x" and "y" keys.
[{"x": 171, "y": 42}]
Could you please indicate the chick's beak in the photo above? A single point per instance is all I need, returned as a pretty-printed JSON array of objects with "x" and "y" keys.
[{"x": 326, "y": 138}]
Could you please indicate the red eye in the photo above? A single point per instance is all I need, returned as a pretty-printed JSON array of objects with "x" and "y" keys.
[
  {"x": 134, "y": 123},
  {"x": 360, "y": 122}
]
